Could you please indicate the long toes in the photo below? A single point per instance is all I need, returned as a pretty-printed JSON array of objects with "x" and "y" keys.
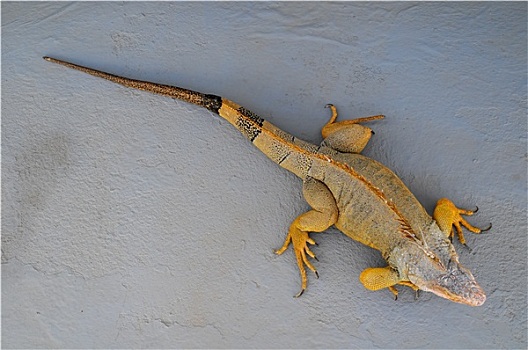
[
  {"x": 310, "y": 253},
  {"x": 285, "y": 246},
  {"x": 308, "y": 264},
  {"x": 279, "y": 251}
]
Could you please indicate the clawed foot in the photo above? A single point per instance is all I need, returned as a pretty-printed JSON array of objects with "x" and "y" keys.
[
  {"x": 448, "y": 215},
  {"x": 394, "y": 291},
  {"x": 300, "y": 240},
  {"x": 408, "y": 284}
]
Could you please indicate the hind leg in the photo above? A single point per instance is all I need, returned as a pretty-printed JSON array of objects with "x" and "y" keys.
[
  {"x": 324, "y": 214},
  {"x": 347, "y": 136}
]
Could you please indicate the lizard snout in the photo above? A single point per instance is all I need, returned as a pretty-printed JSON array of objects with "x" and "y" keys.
[{"x": 459, "y": 285}]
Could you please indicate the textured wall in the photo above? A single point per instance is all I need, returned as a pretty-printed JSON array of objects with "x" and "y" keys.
[{"x": 132, "y": 220}]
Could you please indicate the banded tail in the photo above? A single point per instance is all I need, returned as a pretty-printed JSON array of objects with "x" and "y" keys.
[{"x": 284, "y": 149}]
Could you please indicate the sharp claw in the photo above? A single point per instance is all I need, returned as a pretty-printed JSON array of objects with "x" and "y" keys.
[
  {"x": 372, "y": 131},
  {"x": 474, "y": 211},
  {"x": 468, "y": 248},
  {"x": 416, "y": 294},
  {"x": 316, "y": 274},
  {"x": 299, "y": 294},
  {"x": 328, "y": 105},
  {"x": 316, "y": 258},
  {"x": 395, "y": 297},
  {"x": 487, "y": 228}
]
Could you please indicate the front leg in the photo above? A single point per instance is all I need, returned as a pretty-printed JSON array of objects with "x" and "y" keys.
[
  {"x": 447, "y": 215},
  {"x": 347, "y": 136},
  {"x": 323, "y": 215},
  {"x": 376, "y": 278}
]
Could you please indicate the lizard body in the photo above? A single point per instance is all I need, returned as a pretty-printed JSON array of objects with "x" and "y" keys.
[{"x": 360, "y": 196}]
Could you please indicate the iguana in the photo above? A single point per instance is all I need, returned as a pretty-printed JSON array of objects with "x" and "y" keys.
[{"x": 360, "y": 196}]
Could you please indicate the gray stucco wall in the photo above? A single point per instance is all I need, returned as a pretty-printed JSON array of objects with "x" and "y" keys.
[{"x": 132, "y": 220}]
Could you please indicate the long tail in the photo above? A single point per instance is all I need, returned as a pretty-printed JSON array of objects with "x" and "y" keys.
[
  {"x": 211, "y": 102},
  {"x": 289, "y": 152}
]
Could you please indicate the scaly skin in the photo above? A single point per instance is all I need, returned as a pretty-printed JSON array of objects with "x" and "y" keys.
[{"x": 361, "y": 197}]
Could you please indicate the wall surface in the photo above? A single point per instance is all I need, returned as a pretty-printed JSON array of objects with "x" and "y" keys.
[{"x": 133, "y": 220}]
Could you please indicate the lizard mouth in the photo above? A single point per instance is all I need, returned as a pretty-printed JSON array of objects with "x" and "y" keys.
[
  {"x": 470, "y": 294},
  {"x": 457, "y": 285}
]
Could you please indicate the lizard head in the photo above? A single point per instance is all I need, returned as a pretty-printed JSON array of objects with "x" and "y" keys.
[
  {"x": 438, "y": 271},
  {"x": 454, "y": 282}
]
